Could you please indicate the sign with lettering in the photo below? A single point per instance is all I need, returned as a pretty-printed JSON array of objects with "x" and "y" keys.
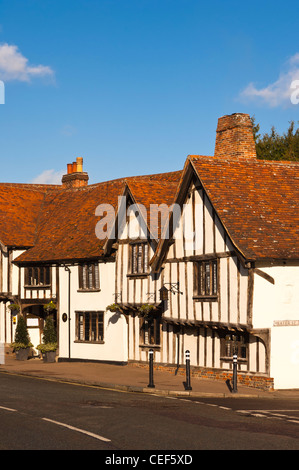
[{"x": 286, "y": 323}]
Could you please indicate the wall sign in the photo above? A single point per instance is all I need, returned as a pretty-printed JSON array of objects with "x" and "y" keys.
[{"x": 286, "y": 323}]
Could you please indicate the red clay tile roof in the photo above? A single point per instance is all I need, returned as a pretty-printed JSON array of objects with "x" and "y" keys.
[
  {"x": 20, "y": 207},
  {"x": 257, "y": 201},
  {"x": 67, "y": 221}
]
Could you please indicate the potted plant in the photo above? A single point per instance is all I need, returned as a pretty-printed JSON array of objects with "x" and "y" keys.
[
  {"x": 22, "y": 344},
  {"x": 49, "y": 345}
]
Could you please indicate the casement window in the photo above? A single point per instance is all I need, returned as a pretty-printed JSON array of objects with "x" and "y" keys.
[
  {"x": 38, "y": 276},
  {"x": 235, "y": 343},
  {"x": 89, "y": 276},
  {"x": 150, "y": 331},
  {"x": 206, "y": 278},
  {"x": 90, "y": 327},
  {"x": 139, "y": 258}
]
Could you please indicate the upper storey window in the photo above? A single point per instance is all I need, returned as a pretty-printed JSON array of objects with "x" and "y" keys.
[
  {"x": 89, "y": 276},
  {"x": 207, "y": 278},
  {"x": 139, "y": 258},
  {"x": 38, "y": 276}
]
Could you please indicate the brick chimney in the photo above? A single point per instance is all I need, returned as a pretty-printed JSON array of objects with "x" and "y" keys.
[
  {"x": 75, "y": 177},
  {"x": 234, "y": 137}
]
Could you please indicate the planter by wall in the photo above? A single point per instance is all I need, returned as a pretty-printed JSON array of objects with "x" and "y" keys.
[
  {"x": 49, "y": 356},
  {"x": 22, "y": 354}
]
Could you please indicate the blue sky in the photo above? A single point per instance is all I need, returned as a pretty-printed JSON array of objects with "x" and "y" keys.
[{"x": 134, "y": 86}]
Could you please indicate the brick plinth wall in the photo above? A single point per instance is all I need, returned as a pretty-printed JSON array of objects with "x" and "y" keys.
[{"x": 259, "y": 382}]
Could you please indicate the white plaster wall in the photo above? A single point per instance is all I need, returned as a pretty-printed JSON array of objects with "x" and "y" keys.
[
  {"x": 115, "y": 346},
  {"x": 274, "y": 305},
  {"x": 15, "y": 272},
  {"x": 279, "y": 301},
  {"x": 284, "y": 363}
]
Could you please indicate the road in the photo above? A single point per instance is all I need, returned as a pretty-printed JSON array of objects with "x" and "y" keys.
[{"x": 37, "y": 414}]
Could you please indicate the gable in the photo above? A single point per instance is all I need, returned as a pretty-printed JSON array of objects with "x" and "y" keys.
[
  {"x": 257, "y": 201},
  {"x": 254, "y": 204}
]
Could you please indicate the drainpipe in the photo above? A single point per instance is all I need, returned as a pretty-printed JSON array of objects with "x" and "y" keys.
[
  {"x": 66, "y": 268},
  {"x": 178, "y": 353}
]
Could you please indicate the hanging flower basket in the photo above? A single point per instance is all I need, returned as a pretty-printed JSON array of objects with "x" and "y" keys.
[
  {"x": 146, "y": 310},
  {"x": 14, "y": 307},
  {"x": 113, "y": 308},
  {"x": 50, "y": 307}
]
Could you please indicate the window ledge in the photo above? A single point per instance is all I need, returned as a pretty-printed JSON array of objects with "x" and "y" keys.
[
  {"x": 150, "y": 346},
  {"x": 207, "y": 298},
  {"x": 89, "y": 290},
  {"x": 40, "y": 286},
  {"x": 137, "y": 275},
  {"x": 88, "y": 342}
]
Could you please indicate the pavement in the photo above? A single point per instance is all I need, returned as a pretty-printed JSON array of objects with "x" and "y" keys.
[{"x": 131, "y": 378}]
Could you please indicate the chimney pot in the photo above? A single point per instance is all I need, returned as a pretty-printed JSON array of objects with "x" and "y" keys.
[
  {"x": 75, "y": 177},
  {"x": 79, "y": 164}
]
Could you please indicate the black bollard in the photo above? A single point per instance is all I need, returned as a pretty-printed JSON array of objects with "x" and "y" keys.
[
  {"x": 151, "y": 369},
  {"x": 188, "y": 383},
  {"x": 235, "y": 365}
]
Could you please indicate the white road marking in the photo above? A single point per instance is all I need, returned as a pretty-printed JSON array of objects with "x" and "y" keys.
[
  {"x": 91, "y": 434},
  {"x": 269, "y": 414},
  {"x": 7, "y": 409}
]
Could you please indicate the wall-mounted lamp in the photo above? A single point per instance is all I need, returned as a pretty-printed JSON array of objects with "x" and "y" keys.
[{"x": 174, "y": 289}]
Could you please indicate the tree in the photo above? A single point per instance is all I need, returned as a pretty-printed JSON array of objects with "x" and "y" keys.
[
  {"x": 273, "y": 146},
  {"x": 49, "y": 334},
  {"x": 22, "y": 338}
]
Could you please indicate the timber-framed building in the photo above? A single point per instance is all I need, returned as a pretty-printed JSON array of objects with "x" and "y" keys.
[{"x": 204, "y": 259}]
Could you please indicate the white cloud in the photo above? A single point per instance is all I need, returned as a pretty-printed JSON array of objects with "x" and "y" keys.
[
  {"x": 48, "y": 177},
  {"x": 278, "y": 93},
  {"x": 14, "y": 66}
]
